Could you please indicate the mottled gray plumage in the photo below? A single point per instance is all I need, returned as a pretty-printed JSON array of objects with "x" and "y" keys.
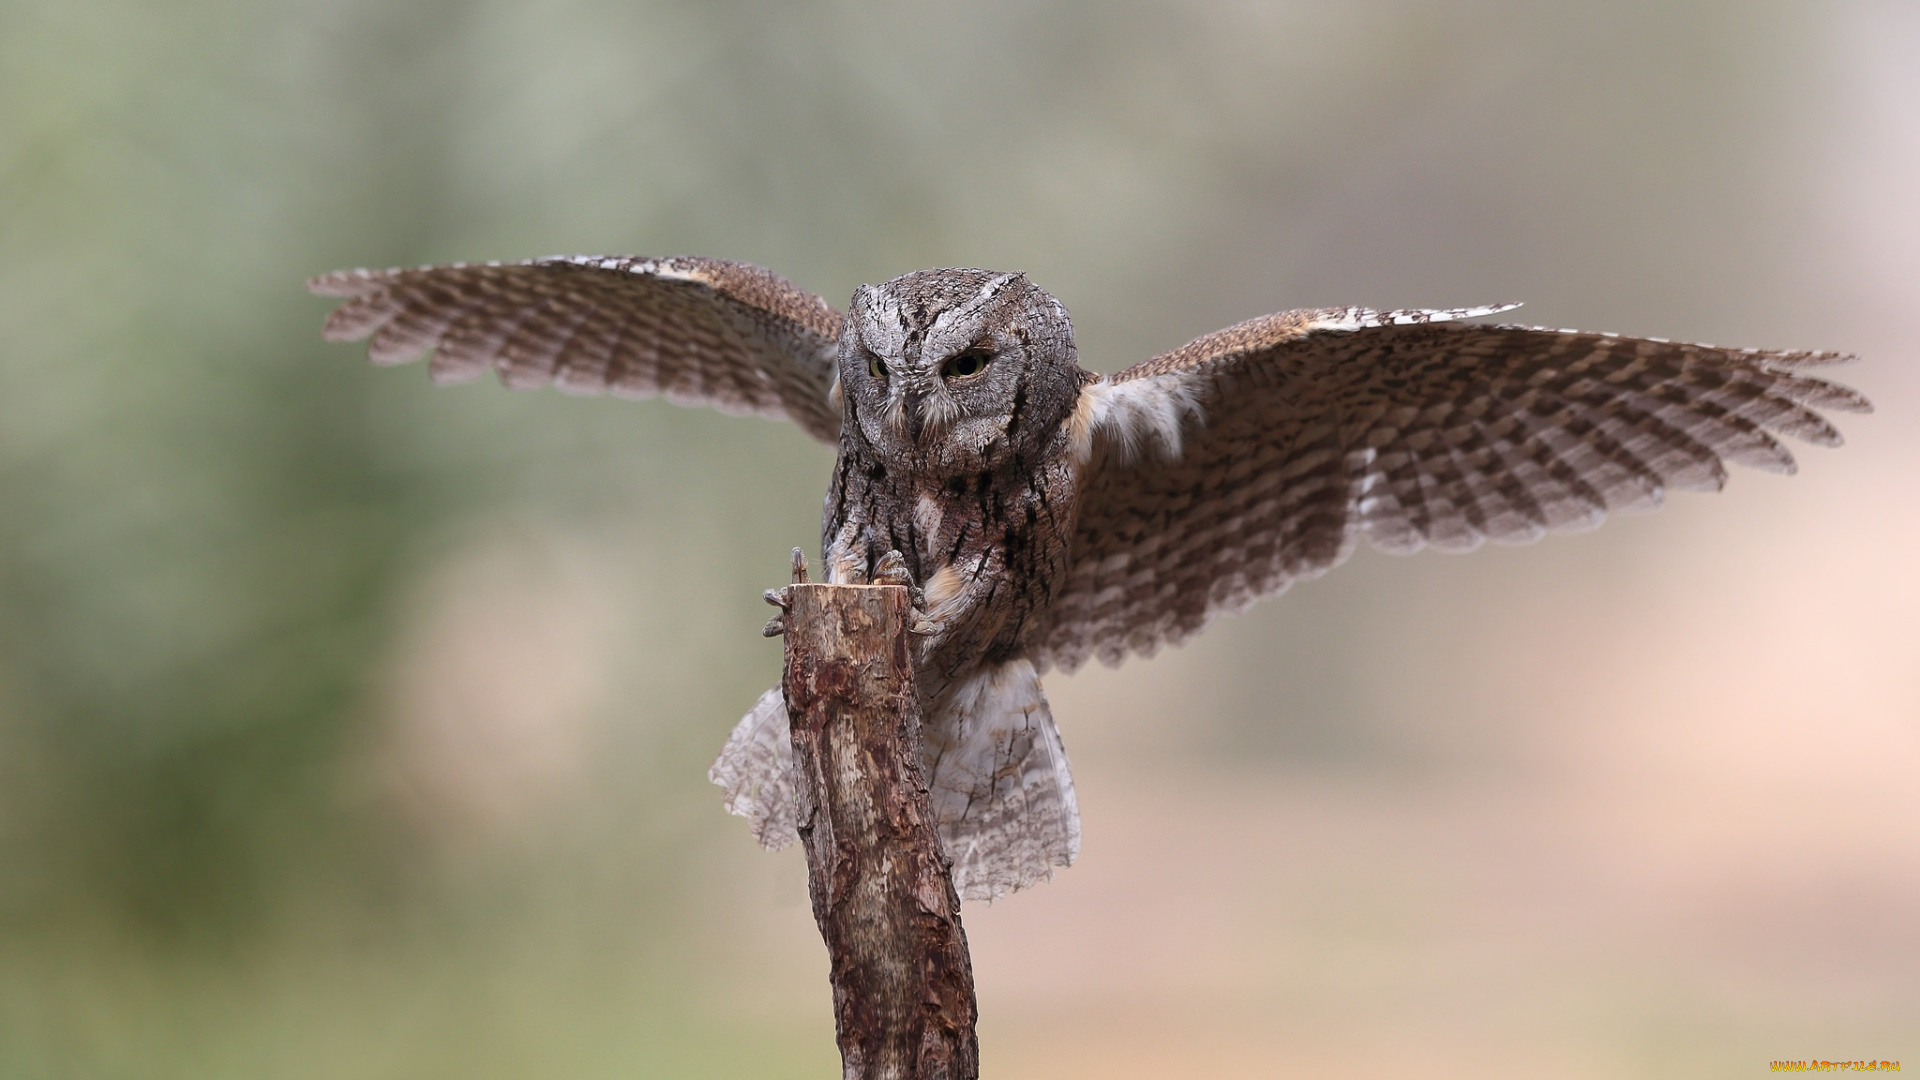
[
  {"x": 1048, "y": 514},
  {"x": 695, "y": 331}
]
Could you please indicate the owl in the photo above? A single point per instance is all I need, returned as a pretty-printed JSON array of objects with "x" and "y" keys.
[{"x": 1045, "y": 514}]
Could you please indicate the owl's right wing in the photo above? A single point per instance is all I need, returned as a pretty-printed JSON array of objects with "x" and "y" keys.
[
  {"x": 1219, "y": 473},
  {"x": 696, "y": 331}
]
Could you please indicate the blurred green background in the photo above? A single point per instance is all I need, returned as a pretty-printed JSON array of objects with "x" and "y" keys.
[{"x": 354, "y": 728}]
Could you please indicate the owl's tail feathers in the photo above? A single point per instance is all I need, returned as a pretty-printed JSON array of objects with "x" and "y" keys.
[
  {"x": 1000, "y": 791},
  {"x": 755, "y": 769},
  {"x": 1002, "y": 795}
]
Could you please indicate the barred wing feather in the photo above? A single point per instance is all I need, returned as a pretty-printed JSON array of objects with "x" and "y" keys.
[
  {"x": 696, "y": 331},
  {"x": 1220, "y": 472}
]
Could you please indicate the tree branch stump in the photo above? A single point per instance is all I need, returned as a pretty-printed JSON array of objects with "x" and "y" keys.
[{"x": 881, "y": 886}]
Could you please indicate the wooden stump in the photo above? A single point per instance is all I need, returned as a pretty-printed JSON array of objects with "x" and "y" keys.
[{"x": 882, "y": 891}]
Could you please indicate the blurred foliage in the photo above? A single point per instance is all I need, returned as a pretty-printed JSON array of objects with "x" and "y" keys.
[{"x": 216, "y": 532}]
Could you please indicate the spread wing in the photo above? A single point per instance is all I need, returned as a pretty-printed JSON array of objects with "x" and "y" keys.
[
  {"x": 1219, "y": 473},
  {"x": 692, "y": 330}
]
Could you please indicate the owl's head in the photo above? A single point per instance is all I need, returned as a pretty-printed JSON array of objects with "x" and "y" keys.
[{"x": 949, "y": 372}]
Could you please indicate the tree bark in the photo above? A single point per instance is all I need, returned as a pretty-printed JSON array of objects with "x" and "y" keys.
[{"x": 881, "y": 886}]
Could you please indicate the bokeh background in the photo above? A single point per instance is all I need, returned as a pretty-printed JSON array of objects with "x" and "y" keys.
[{"x": 355, "y": 728}]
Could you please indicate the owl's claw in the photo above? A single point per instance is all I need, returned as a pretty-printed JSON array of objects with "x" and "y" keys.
[
  {"x": 892, "y": 570},
  {"x": 781, "y": 598}
]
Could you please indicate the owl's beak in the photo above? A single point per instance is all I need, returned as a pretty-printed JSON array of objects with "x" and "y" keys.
[
  {"x": 917, "y": 410},
  {"x": 916, "y": 415}
]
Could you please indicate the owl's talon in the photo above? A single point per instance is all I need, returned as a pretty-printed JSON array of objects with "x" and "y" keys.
[
  {"x": 781, "y": 598},
  {"x": 892, "y": 570}
]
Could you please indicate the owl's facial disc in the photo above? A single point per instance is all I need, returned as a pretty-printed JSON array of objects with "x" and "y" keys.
[{"x": 940, "y": 367}]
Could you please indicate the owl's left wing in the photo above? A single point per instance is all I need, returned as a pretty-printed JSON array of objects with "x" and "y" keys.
[
  {"x": 1219, "y": 473},
  {"x": 694, "y": 330}
]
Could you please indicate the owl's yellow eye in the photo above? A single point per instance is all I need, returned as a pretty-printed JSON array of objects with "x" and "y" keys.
[
  {"x": 875, "y": 369},
  {"x": 966, "y": 365}
]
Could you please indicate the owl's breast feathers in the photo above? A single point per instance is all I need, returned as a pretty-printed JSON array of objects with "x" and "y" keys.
[{"x": 987, "y": 550}]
